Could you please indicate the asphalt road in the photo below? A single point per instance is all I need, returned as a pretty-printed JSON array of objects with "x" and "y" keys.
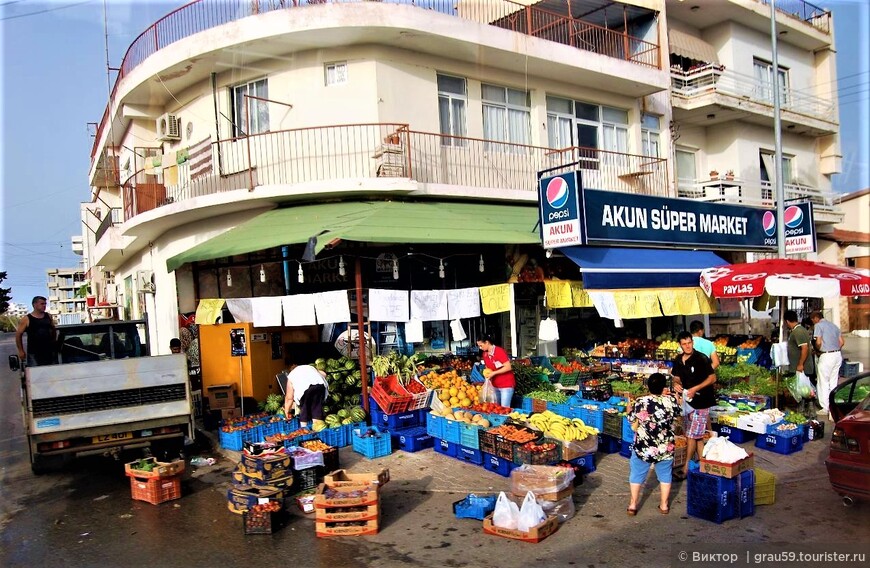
[{"x": 84, "y": 516}]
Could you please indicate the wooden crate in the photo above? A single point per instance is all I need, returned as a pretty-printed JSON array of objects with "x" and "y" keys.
[
  {"x": 367, "y": 513},
  {"x": 352, "y": 528}
]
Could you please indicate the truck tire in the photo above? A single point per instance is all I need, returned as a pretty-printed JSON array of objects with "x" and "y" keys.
[{"x": 40, "y": 464}]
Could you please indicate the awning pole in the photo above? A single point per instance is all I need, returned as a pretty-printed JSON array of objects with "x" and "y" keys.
[
  {"x": 513, "y": 320},
  {"x": 362, "y": 336}
]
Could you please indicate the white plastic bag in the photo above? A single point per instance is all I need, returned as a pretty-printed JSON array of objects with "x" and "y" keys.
[
  {"x": 805, "y": 386},
  {"x": 487, "y": 392},
  {"x": 531, "y": 514},
  {"x": 506, "y": 513}
]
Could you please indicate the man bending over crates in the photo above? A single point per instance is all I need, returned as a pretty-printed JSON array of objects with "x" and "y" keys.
[
  {"x": 306, "y": 390},
  {"x": 693, "y": 380}
]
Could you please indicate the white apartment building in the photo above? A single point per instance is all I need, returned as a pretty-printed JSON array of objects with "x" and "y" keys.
[
  {"x": 220, "y": 117},
  {"x": 66, "y": 302}
]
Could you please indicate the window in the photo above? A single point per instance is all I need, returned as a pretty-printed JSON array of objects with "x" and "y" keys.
[
  {"x": 258, "y": 110},
  {"x": 768, "y": 172},
  {"x": 597, "y": 127},
  {"x": 506, "y": 115},
  {"x": 764, "y": 78},
  {"x": 335, "y": 73},
  {"x": 451, "y": 109},
  {"x": 686, "y": 170},
  {"x": 650, "y": 135}
]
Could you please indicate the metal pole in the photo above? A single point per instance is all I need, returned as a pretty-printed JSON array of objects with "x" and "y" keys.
[
  {"x": 780, "y": 190},
  {"x": 363, "y": 343}
]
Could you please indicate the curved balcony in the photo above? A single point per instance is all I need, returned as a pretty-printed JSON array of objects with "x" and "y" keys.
[{"x": 551, "y": 20}]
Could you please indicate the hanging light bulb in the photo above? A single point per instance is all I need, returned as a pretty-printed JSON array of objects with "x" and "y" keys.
[
  {"x": 262, "y": 273},
  {"x": 395, "y": 268},
  {"x": 440, "y": 269},
  {"x": 341, "y": 270},
  {"x": 300, "y": 275},
  {"x": 229, "y": 279},
  {"x": 480, "y": 265}
]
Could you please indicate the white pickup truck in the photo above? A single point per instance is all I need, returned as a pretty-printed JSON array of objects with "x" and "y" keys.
[{"x": 105, "y": 395}]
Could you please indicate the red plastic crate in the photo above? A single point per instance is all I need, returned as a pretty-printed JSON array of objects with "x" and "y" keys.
[
  {"x": 155, "y": 490},
  {"x": 390, "y": 404}
]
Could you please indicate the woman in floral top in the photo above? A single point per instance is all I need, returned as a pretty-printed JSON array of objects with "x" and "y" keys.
[{"x": 652, "y": 419}]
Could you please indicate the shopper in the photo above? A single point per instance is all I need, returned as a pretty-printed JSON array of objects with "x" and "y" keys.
[
  {"x": 306, "y": 390},
  {"x": 693, "y": 380},
  {"x": 702, "y": 344},
  {"x": 175, "y": 345},
  {"x": 828, "y": 341},
  {"x": 41, "y": 335},
  {"x": 502, "y": 376},
  {"x": 800, "y": 352},
  {"x": 652, "y": 419}
]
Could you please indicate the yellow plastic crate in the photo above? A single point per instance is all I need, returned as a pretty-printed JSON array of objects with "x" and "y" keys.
[{"x": 765, "y": 487}]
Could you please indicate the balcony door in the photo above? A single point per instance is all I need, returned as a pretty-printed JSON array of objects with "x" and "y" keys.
[
  {"x": 764, "y": 81},
  {"x": 687, "y": 173},
  {"x": 767, "y": 161}
]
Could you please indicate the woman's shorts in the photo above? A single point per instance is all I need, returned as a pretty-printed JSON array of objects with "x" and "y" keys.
[
  {"x": 639, "y": 469},
  {"x": 311, "y": 403}
]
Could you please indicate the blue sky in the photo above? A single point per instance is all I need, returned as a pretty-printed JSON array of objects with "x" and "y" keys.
[{"x": 54, "y": 83}]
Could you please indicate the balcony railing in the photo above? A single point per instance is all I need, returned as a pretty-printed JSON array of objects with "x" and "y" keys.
[
  {"x": 817, "y": 17},
  {"x": 112, "y": 218},
  {"x": 351, "y": 152},
  {"x": 201, "y": 15},
  {"x": 711, "y": 78}
]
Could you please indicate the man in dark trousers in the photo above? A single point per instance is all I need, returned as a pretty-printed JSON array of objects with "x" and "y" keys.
[
  {"x": 41, "y": 335},
  {"x": 693, "y": 380}
]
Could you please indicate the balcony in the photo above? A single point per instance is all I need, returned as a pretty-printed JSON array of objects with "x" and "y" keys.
[
  {"x": 761, "y": 194},
  {"x": 110, "y": 220},
  {"x": 811, "y": 14},
  {"x": 726, "y": 95}
]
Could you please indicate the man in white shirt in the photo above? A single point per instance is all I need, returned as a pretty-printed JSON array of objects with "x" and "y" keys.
[{"x": 306, "y": 390}]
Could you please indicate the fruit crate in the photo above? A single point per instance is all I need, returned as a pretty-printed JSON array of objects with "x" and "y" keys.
[
  {"x": 469, "y": 455},
  {"x": 765, "y": 487},
  {"x": 420, "y": 395},
  {"x": 788, "y": 433},
  {"x": 626, "y": 448},
  {"x": 388, "y": 403},
  {"x": 627, "y": 434},
  {"x": 592, "y": 416},
  {"x": 403, "y": 419},
  {"x": 372, "y": 447},
  {"x": 497, "y": 445},
  {"x": 735, "y": 435},
  {"x": 468, "y": 435},
  {"x": 711, "y": 497},
  {"x": 159, "y": 469},
  {"x": 608, "y": 444},
  {"x": 345, "y": 528},
  {"x": 155, "y": 490},
  {"x": 681, "y": 453},
  {"x": 331, "y": 460},
  {"x": 495, "y": 464},
  {"x": 307, "y": 479},
  {"x": 452, "y": 431},
  {"x": 780, "y": 444},
  {"x": 613, "y": 424},
  {"x": 546, "y": 457},
  {"x": 348, "y": 514},
  {"x": 412, "y": 439},
  {"x": 231, "y": 440},
  {"x": 262, "y": 522},
  {"x": 569, "y": 379},
  {"x": 444, "y": 447},
  {"x": 435, "y": 426},
  {"x": 337, "y": 437},
  {"x": 585, "y": 463},
  {"x": 474, "y": 507}
]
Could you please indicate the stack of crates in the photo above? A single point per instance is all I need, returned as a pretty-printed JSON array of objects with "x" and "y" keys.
[
  {"x": 407, "y": 429},
  {"x": 161, "y": 483},
  {"x": 348, "y": 504},
  {"x": 718, "y": 499}
]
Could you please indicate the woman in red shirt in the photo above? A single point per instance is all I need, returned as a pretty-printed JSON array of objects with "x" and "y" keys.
[{"x": 496, "y": 360}]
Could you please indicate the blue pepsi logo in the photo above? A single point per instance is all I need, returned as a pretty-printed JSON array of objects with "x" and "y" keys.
[
  {"x": 557, "y": 193},
  {"x": 768, "y": 223},
  {"x": 793, "y": 217}
]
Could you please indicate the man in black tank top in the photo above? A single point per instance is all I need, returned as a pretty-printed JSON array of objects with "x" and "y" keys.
[{"x": 41, "y": 335}]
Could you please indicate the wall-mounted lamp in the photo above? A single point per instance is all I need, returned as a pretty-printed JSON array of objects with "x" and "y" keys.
[
  {"x": 549, "y": 253},
  {"x": 262, "y": 274},
  {"x": 300, "y": 276},
  {"x": 341, "y": 270},
  {"x": 480, "y": 264},
  {"x": 229, "y": 279},
  {"x": 395, "y": 269},
  {"x": 440, "y": 269}
]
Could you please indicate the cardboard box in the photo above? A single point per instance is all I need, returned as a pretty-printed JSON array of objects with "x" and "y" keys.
[
  {"x": 728, "y": 470},
  {"x": 279, "y": 461},
  {"x": 349, "y": 514},
  {"x": 552, "y": 495},
  {"x": 354, "y": 496},
  {"x": 230, "y": 413},
  {"x": 322, "y": 529},
  {"x": 535, "y": 534},
  {"x": 341, "y": 477},
  {"x": 222, "y": 396},
  {"x": 159, "y": 469},
  {"x": 755, "y": 422},
  {"x": 240, "y": 498}
]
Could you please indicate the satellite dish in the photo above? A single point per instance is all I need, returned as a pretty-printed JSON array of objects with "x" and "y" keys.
[{"x": 348, "y": 344}]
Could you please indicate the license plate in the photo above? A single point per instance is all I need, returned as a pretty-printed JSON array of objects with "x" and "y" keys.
[{"x": 113, "y": 437}]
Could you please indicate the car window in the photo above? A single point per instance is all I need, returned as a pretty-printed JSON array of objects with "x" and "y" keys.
[{"x": 854, "y": 392}]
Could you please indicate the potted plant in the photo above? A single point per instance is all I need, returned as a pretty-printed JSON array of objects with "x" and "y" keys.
[
  {"x": 729, "y": 175},
  {"x": 714, "y": 174},
  {"x": 84, "y": 291}
]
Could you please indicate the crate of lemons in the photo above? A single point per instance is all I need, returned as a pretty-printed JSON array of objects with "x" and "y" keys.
[{"x": 452, "y": 389}]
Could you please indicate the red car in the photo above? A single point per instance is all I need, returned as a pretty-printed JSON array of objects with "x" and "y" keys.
[{"x": 849, "y": 460}]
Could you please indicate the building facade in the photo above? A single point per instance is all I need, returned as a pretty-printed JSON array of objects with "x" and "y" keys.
[
  {"x": 218, "y": 116},
  {"x": 67, "y": 295}
]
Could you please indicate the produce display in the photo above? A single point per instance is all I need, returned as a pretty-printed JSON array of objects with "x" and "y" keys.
[
  {"x": 453, "y": 390},
  {"x": 345, "y": 383},
  {"x": 513, "y": 433},
  {"x": 341, "y": 417},
  {"x": 538, "y": 448},
  {"x": 528, "y": 379},
  {"x": 316, "y": 446},
  {"x": 549, "y": 396},
  {"x": 490, "y": 408},
  {"x": 561, "y": 428},
  {"x": 463, "y": 416}
]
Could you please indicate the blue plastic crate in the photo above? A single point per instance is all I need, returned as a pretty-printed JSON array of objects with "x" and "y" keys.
[
  {"x": 468, "y": 436},
  {"x": 469, "y": 455},
  {"x": 452, "y": 431},
  {"x": 586, "y": 463},
  {"x": 626, "y": 448},
  {"x": 561, "y": 409},
  {"x": 711, "y": 497},
  {"x": 495, "y": 419},
  {"x": 475, "y": 507},
  {"x": 593, "y": 417},
  {"x": 445, "y": 447},
  {"x": 746, "y": 495},
  {"x": 253, "y": 434},
  {"x": 527, "y": 405},
  {"x": 799, "y": 431},
  {"x": 407, "y": 419},
  {"x": 780, "y": 444},
  {"x": 735, "y": 435},
  {"x": 477, "y": 373},
  {"x": 373, "y": 446},
  {"x": 412, "y": 439},
  {"x": 231, "y": 440},
  {"x": 498, "y": 465},
  {"x": 435, "y": 426},
  {"x": 335, "y": 437},
  {"x": 608, "y": 444},
  {"x": 627, "y": 432}
]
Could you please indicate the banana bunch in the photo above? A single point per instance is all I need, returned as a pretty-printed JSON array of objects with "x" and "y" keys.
[
  {"x": 519, "y": 416},
  {"x": 561, "y": 428}
]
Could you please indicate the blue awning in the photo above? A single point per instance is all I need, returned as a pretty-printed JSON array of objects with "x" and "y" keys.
[{"x": 613, "y": 268}]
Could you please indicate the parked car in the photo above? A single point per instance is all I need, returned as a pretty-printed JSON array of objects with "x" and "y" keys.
[{"x": 849, "y": 460}]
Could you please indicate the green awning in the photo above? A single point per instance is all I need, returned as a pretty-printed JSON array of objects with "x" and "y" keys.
[{"x": 375, "y": 222}]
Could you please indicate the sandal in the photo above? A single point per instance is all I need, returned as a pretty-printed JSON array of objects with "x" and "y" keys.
[
  {"x": 664, "y": 511},
  {"x": 631, "y": 512}
]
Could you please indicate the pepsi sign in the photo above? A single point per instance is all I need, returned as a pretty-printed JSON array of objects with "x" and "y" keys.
[{"x": 559, "y": 201}]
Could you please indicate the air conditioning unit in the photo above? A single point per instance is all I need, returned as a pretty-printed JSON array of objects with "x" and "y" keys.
[
  {"x": 168, "y": 127},
  {"x": 145, "y": 280}
]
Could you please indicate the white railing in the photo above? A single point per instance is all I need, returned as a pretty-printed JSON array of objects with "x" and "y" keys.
[{"x": 713, "y": 78}]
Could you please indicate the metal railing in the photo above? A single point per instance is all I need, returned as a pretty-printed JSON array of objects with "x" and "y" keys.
[
  {"x": 712, "y": 78},
  {"x": 819, "y": 18},
  {"x": 352, "y": 152},
  {"x": 112, "y": 218},
  {"x": 201, "y": 15}
]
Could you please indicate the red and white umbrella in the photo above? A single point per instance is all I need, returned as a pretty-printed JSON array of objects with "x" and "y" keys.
[{"x": 784, "y": 277}]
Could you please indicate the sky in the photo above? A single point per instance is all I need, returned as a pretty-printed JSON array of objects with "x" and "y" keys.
[{"x": 53, "y": 82}]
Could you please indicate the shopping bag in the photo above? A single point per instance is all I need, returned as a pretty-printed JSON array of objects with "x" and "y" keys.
[
  {"x": 487, "y": 392},
  {"x": 805, "y": 387},
  {"x": 506, "y": 513},
  {"x": 531, "y": 514}
]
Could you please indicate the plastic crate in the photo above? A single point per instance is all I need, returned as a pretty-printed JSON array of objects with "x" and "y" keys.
[
  {"x": 390, "y": 404},
  {"x": 262, "y": 522},
  {"x": 496, "y": 445},
  {"x": 735, "y": 435},
  {"x": 608, "y": 444},
  {"x": 498, "y": 465},
  {"x": 477, "y": 374},
  {"x": 231, "y": 440},
  {"x": 335, "y": 437},
  {"x": 585, "y": 463},
  {"x": 780, "y": 444},
  {"x": 570, "y": 379},
  {"x": 306, "y": 458},
  {"x": 404, "y": 419},
  {"x": 435, "y": 426},
  {"x": 627, "y": 433},
  {"x": 789, "y": 433},
  {"x": 155, "y": 490},
  {"x": 765, "y": 487},
  {"x": 560, "y": 408},
  {"x": 420, "y": 395},
  {"x": 470, "y": 455},
  {"x": 524, "y": 456},
  {"x": 613, "y": 424},
  {"x": 331, "y": 460},
  {"x": 746, "y": 494},
  {"x": 468, "y": 436},
  {"x": 626, "y": 448},
  {"x": 373, "y": 446},
  {"x": 452, "y": 431},
  {"x": 711, "y": 497},
  {"x": 444, "y": 447},
  {"x": 412, "y": 439},
  {"x": 474, "y": 507},
  {"x": 306, "y": 479},
  {"x": 849, "y": 369}
]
